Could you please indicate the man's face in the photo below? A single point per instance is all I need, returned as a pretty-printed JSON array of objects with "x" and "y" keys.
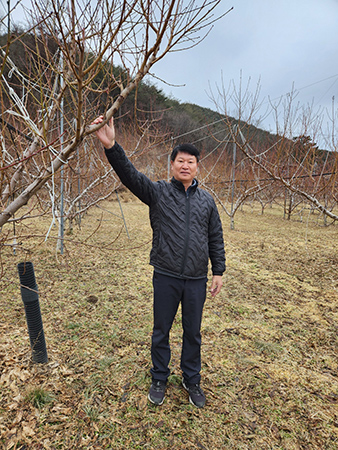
[{"x": 184, "y": 168}]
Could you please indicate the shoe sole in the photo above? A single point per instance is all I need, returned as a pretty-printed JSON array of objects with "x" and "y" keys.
[{"x": 154, "y": 403}]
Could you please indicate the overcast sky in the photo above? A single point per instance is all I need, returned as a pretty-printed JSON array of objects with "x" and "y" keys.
[{"x": 279, "y": 42}]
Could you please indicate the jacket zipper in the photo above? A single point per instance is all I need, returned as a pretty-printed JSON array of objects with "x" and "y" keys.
[{"x": 187, "y": 232}]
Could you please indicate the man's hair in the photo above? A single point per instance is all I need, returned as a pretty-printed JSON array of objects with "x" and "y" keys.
[{"x": 185, "y": 148}]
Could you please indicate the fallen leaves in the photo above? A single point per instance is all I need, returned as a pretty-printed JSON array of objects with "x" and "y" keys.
[{"x": 268, "y": 348}]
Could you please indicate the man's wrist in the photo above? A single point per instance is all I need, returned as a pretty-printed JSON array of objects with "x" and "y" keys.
[{"x": 108, "y": 148}]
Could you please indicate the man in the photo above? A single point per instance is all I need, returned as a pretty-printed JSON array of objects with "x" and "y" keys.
[{"x": 187, "y": 231}]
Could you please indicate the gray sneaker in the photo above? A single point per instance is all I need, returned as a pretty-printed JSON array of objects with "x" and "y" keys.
[
  {"x": 196, "y": 395},
  {"x": 157, "y": 392}
]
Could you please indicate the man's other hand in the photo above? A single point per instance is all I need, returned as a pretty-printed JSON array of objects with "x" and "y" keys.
[{"x": 216, "y": 285}]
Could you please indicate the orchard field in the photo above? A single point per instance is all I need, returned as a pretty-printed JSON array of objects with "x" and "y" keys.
[{"x": 269, "y": 371}]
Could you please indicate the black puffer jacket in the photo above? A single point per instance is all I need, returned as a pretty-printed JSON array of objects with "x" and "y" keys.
[{"x": 187, "y": 229}]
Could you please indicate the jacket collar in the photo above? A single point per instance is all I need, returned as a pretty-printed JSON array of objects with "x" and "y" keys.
[{"x": 179, "y": 185}]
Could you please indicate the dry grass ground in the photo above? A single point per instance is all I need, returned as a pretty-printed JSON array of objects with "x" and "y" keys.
[{"x": 269, "y": 341}]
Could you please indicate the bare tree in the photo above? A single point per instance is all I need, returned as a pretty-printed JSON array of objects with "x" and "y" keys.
[
  {"x": 73, "y": 49},
  {"x": 241, "y": 177},
  {"x": 307, "y": 173}
]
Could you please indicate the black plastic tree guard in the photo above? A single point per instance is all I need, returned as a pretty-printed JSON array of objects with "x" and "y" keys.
[{"x": 30, "y": 298}]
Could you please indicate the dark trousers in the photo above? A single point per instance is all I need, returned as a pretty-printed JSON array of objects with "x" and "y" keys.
[{"x": 168, "y": 293}]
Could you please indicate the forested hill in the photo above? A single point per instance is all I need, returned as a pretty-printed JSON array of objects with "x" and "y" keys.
[
  {"x": 181, "y": 121},
  {"x": 187, "y": 122}
]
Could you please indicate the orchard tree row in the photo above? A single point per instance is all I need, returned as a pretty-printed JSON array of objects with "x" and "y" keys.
[{"x": 76, "y": 60}]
